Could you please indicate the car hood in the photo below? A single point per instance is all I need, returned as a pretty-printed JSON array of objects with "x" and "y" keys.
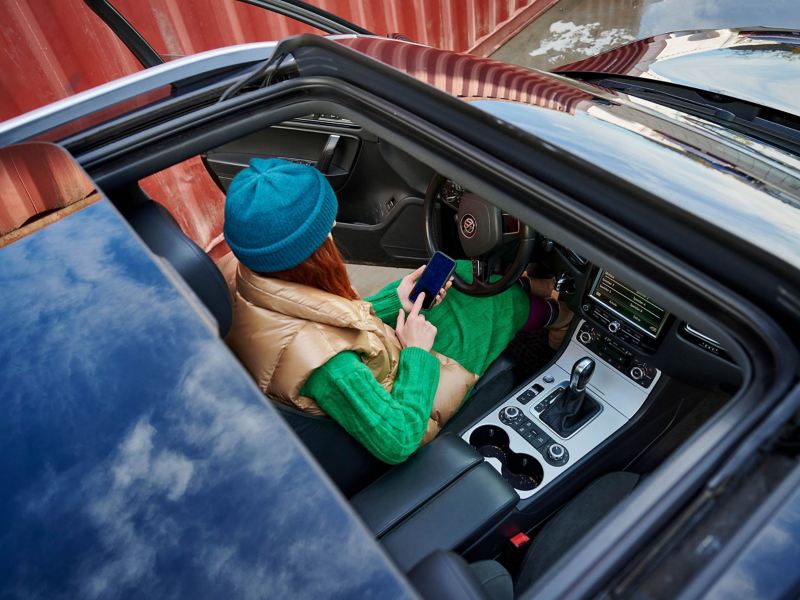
[{"x": 759, "y": 66}]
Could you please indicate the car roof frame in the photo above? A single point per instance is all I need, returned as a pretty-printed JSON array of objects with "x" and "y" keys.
[{"x": 39, "y": 121}]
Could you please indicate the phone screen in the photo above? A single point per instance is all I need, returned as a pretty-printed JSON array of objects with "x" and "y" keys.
[{"x": 438, "y": 270}]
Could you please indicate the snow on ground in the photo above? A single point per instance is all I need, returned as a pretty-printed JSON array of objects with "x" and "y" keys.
[{"x": 588, "y": 39}]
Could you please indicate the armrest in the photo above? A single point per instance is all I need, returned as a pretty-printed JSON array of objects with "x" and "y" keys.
[
  {"x": 463, "y": 512},
  {"x": 442, "y": 498},
  {"x": 402, "y": 490}
]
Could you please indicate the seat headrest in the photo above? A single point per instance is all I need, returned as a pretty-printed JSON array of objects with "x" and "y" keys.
[{"x": 159, "y": 230}]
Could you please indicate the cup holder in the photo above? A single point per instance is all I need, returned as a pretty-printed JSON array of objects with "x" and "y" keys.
[
  {"x": 522, "y": 471},
  {"x": 491, "y": 441}
]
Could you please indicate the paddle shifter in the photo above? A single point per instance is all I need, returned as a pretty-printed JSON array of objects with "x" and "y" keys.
[{"x": 574, "y": 407}]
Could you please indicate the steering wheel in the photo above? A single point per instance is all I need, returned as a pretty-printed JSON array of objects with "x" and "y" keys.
[{"x": 483, "y": 236}]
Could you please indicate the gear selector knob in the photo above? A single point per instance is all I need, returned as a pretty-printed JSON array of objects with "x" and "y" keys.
[{"x": 582, "y": 372}]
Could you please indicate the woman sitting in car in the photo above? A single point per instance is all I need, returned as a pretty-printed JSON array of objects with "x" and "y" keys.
[{"x": 389, "y": 375}]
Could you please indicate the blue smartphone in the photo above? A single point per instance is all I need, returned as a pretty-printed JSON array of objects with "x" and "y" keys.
[{"x": 436, "y": 274}]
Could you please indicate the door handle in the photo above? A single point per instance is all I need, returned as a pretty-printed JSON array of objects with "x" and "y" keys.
[{"x": 325, "y": 159}]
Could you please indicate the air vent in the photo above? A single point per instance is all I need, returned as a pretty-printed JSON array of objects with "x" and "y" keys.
[{"x": 704, "y": 341}]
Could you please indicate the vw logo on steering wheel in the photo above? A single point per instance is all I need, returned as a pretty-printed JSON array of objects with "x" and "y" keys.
[{"x": 469, "y": 225}]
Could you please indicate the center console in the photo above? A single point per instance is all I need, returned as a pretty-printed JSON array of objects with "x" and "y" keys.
[
  {"x": 444, "y": 497},
  {"x": 529, "y": 447}
]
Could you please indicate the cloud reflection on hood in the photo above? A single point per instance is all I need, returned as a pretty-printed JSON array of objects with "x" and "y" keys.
[{"x": 140, "y": 458}]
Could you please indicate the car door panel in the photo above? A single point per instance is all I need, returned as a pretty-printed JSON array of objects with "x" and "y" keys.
[
  {"x": 307, "y": 146},
  {"x": 380, "y": 191}
]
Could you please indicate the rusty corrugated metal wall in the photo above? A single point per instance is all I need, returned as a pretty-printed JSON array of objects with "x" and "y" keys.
[{"x": 55, "y": 48}]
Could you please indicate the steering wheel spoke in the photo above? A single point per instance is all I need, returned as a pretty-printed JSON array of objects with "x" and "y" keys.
[
  {"x": 480, "y": 271},
  {"x": 484, "y": 233},
  {"x": 511, "y": 228}
]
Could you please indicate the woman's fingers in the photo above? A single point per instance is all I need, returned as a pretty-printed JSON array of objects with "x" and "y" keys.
[
  {"x": 401, "y": 320},
  {"x": 417, "y": 305},
  {"x": 416, "y": 274}
]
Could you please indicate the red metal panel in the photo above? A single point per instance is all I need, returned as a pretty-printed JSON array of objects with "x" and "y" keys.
[
  {"x": 40, "y": 178},
  {"x": 54, "y": 49}
]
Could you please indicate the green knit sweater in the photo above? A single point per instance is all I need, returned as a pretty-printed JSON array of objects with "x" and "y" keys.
[{"x": 471, "y": 330}]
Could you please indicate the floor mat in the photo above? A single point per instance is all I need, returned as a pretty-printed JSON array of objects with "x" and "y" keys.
[
  {"x": 706, "y": 403},
  {"x": 529, "y": 352}
]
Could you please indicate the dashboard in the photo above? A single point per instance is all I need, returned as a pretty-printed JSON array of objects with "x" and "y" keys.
[
  {"x": 637, "y": 336},
  {"x": 631, "y": 331}
]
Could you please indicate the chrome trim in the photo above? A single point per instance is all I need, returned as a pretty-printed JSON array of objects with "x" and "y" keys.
[
  {"x": 80, "y": 105},
  {"x": 226, "y": 163},
  {"x": 582, "y": 372},
  {"x": 691, "y": 330}
]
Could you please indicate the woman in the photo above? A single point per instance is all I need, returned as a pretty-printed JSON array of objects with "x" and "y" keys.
[{"x": 391, "y": 376}]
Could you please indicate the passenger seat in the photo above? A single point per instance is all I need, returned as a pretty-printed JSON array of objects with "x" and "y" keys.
[{"x": 445, "y": 575}]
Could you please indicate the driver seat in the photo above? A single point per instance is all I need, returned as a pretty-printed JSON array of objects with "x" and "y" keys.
[
  {"x": 347, "y": 462},
  {"x": 351, "y": 466}
]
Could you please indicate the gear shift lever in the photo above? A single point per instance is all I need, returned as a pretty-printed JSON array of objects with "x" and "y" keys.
[
  {"x": 574, "y": 407},
  {"x": 582, "y": 372}
]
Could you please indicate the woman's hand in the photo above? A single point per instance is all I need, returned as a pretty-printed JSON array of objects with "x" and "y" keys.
[
  {"x": 407, "y": 284},
  {"x": 413, "y": 330}
]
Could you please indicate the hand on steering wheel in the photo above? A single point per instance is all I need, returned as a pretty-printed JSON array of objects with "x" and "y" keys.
[{"x": 480, "y": 231}]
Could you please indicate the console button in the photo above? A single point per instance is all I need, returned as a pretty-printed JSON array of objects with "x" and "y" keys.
[
  {"x": 510, "y": 413},
  {"x": 556, "y": 452},
  {"x": 614, "y": 326},
  {"x": 548, "y": 379},
  {"x": 540, "y": 440},
  {"x": 526, "y": 396},
  {"x": 585, "y": 338},
  {"x": 551, "y": 397},
  {"x": 637, "y": 373}
]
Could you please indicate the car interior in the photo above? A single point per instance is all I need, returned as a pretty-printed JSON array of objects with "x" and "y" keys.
[{"x": 552, "y": 438}]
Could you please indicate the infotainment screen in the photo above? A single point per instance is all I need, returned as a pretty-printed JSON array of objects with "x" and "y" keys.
[{"x": 628, "y": 303}]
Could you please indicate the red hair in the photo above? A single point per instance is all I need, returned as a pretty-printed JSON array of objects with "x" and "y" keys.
[{"x": 324, "y": 270}]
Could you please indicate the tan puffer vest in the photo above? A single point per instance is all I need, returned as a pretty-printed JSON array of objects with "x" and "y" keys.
[{"x": 283, "y": 331}]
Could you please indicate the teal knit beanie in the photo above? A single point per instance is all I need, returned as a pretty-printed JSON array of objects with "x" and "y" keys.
[{"x": 277, "y": 214}]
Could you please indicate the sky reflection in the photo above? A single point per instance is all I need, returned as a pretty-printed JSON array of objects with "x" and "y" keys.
[{"x": 138, "y": 458}]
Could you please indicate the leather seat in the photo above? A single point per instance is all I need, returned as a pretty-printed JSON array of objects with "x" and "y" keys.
[
  {"x": 347, "y": 462},
  {"x": 443, "y": 575},
  {"x": 572, "y": 522},
  {"x": 159, "y": 230}
]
